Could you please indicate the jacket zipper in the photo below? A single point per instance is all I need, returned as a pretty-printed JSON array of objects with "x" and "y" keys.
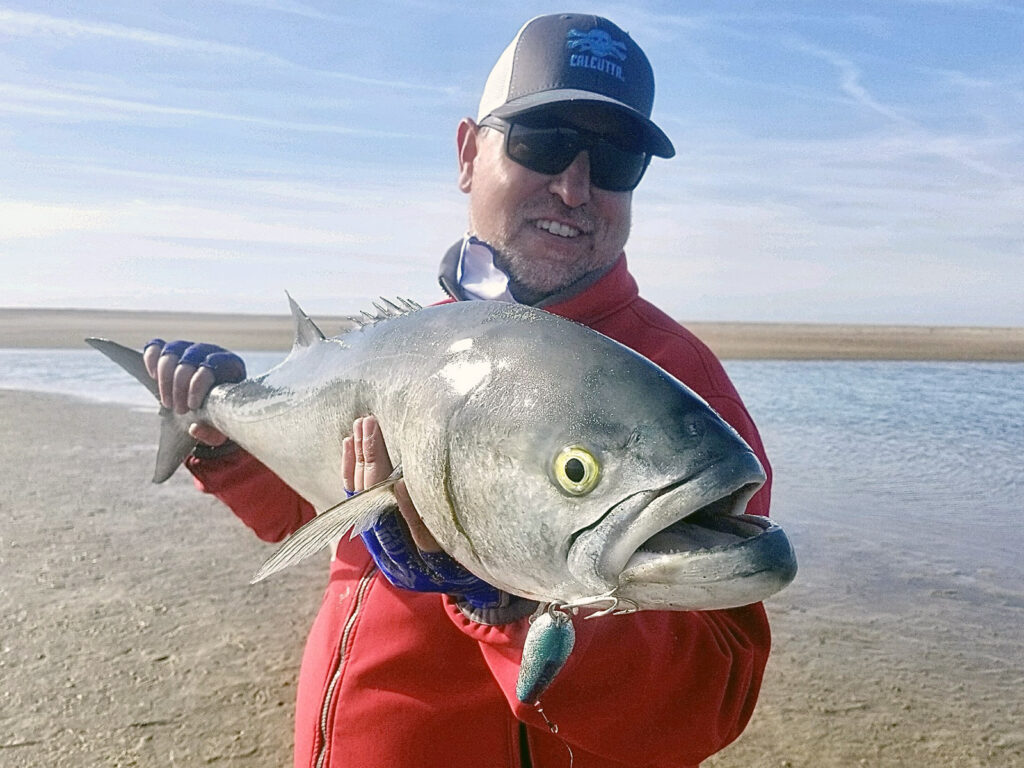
[
  {"x": 525, "y": 760},
  {"x": 361, "y": 590}
]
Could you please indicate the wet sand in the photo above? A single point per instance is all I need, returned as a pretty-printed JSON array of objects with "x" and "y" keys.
[
  {"x": 735, "y": 341},
  {"x": 132, "y": 637}
]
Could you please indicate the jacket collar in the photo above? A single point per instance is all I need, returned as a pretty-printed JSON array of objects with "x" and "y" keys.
[
  {"x": 587, "y": 301},
  {"x": 610, "y": 293}
]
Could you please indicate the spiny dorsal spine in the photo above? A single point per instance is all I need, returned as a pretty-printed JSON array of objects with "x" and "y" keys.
[{"x": 386, "y": 311}]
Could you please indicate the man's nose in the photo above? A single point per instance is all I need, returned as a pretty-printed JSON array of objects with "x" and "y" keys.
[{"x": 573, "y": 184}]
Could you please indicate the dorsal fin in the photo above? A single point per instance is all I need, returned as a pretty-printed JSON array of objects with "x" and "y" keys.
[
  {"x": 384, "y": 312},
  {"x": 306, "y": 332}
]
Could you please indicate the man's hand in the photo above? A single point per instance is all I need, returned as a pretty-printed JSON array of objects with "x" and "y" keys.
[
  {"x": 186, "y": 372},
  {"x": 365, "y": 462},
  {"x": 404, "y": 550}
]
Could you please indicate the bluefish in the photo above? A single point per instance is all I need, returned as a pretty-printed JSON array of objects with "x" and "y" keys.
[{"x": 548, "y": 459}]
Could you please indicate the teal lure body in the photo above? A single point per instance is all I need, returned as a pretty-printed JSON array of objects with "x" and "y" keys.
[{"x": 549, "y": 642}]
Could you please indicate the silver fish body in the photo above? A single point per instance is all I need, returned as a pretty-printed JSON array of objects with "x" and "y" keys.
[{"x": 549, "y": 460}]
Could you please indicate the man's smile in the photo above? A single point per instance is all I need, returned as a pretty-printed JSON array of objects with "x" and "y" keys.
[{"x": 558, "y": 228}]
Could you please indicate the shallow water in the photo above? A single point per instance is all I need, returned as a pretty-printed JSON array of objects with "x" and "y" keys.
[
  {"x": 905, "y": 476},
  {"x": 898, "y": 472},
  {"x": 86, "y": 373}
]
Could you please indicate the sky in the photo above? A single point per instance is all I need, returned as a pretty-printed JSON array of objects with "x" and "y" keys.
[{"x": 837, "y": 162}]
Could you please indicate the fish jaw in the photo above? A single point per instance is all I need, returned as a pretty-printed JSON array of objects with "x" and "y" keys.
[
  {"x": 747, "y": 570},
  {"x": 687, "y": 545}
]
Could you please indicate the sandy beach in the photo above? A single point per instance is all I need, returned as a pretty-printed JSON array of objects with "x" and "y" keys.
[
  {"x": 734, "y": 341},
  {"x": 132, "y": 637}
]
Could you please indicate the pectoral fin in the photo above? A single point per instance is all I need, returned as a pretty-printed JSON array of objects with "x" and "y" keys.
[{"x": 357, "y": 514}]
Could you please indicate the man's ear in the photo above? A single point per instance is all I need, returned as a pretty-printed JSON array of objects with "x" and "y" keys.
[{"x": 467, "y": 148}]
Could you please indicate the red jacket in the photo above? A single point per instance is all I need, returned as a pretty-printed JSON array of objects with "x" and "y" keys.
[{"x": 398, "y": 678}]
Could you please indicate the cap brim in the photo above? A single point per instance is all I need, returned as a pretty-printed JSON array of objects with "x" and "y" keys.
[{"x": 655, "y": 140}]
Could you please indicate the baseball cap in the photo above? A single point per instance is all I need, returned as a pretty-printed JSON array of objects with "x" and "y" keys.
[{"x": 572, "y": 58}]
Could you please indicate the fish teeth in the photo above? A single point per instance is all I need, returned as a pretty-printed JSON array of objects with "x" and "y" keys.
[{"x": 557, "y": 228}]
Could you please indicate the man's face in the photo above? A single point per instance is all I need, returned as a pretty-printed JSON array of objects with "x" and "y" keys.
[{"x": 548, "y": 230}]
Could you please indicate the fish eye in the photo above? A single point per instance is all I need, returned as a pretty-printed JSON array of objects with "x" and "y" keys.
[{"x": 577, "y": 470}]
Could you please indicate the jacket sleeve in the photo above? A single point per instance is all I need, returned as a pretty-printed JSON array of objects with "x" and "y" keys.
[{"x": 256, "y": 495}]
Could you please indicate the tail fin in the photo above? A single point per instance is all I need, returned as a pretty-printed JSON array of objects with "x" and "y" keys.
[{"x": 175, "y": 441}]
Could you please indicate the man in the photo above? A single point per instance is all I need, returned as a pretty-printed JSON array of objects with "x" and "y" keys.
[{"x": 393, "y": 676}]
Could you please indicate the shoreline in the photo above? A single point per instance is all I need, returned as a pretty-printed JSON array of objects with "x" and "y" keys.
[{"x": 66, "y": 329}]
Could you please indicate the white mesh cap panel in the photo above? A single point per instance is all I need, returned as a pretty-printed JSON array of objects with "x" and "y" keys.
[{"x": 500, "y": 80}]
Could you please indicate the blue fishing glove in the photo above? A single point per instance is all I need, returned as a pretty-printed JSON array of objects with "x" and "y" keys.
[
  {"x": 404, "y": 565},
  {"x": 227, "y": 367}
]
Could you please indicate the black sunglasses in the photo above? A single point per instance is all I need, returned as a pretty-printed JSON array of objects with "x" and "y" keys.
[{"x": 551, "y": 148}]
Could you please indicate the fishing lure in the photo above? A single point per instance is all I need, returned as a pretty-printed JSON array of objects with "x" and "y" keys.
[{"x": 549, "y": 642}]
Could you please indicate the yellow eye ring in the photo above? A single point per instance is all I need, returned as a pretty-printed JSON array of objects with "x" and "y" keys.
[{"x": 577, "y": 470}]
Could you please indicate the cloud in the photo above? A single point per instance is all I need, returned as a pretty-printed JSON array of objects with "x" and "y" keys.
[
  {"x": 366, "y": 220},
  {"x": 828, "y": 166},
  {"x": 17, "y": 23},
  {"x": 970, "y": 5},
  {"x": 20, "y": 219},
  {"x": 89, "y": 106},
  {"x": 294, "y": 9},
  {"x": 887, "y": 225},
  {"x": 332, "y": 243}
]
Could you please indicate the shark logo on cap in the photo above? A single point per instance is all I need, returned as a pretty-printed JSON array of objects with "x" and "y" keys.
[{"x": 595, "y": 49}]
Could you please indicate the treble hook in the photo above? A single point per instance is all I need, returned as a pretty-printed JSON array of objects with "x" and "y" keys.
[{"x": 609, "y": 597}]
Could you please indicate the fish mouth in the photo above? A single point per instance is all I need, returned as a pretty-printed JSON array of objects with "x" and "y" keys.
[{"x": 688, "y": 545}]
